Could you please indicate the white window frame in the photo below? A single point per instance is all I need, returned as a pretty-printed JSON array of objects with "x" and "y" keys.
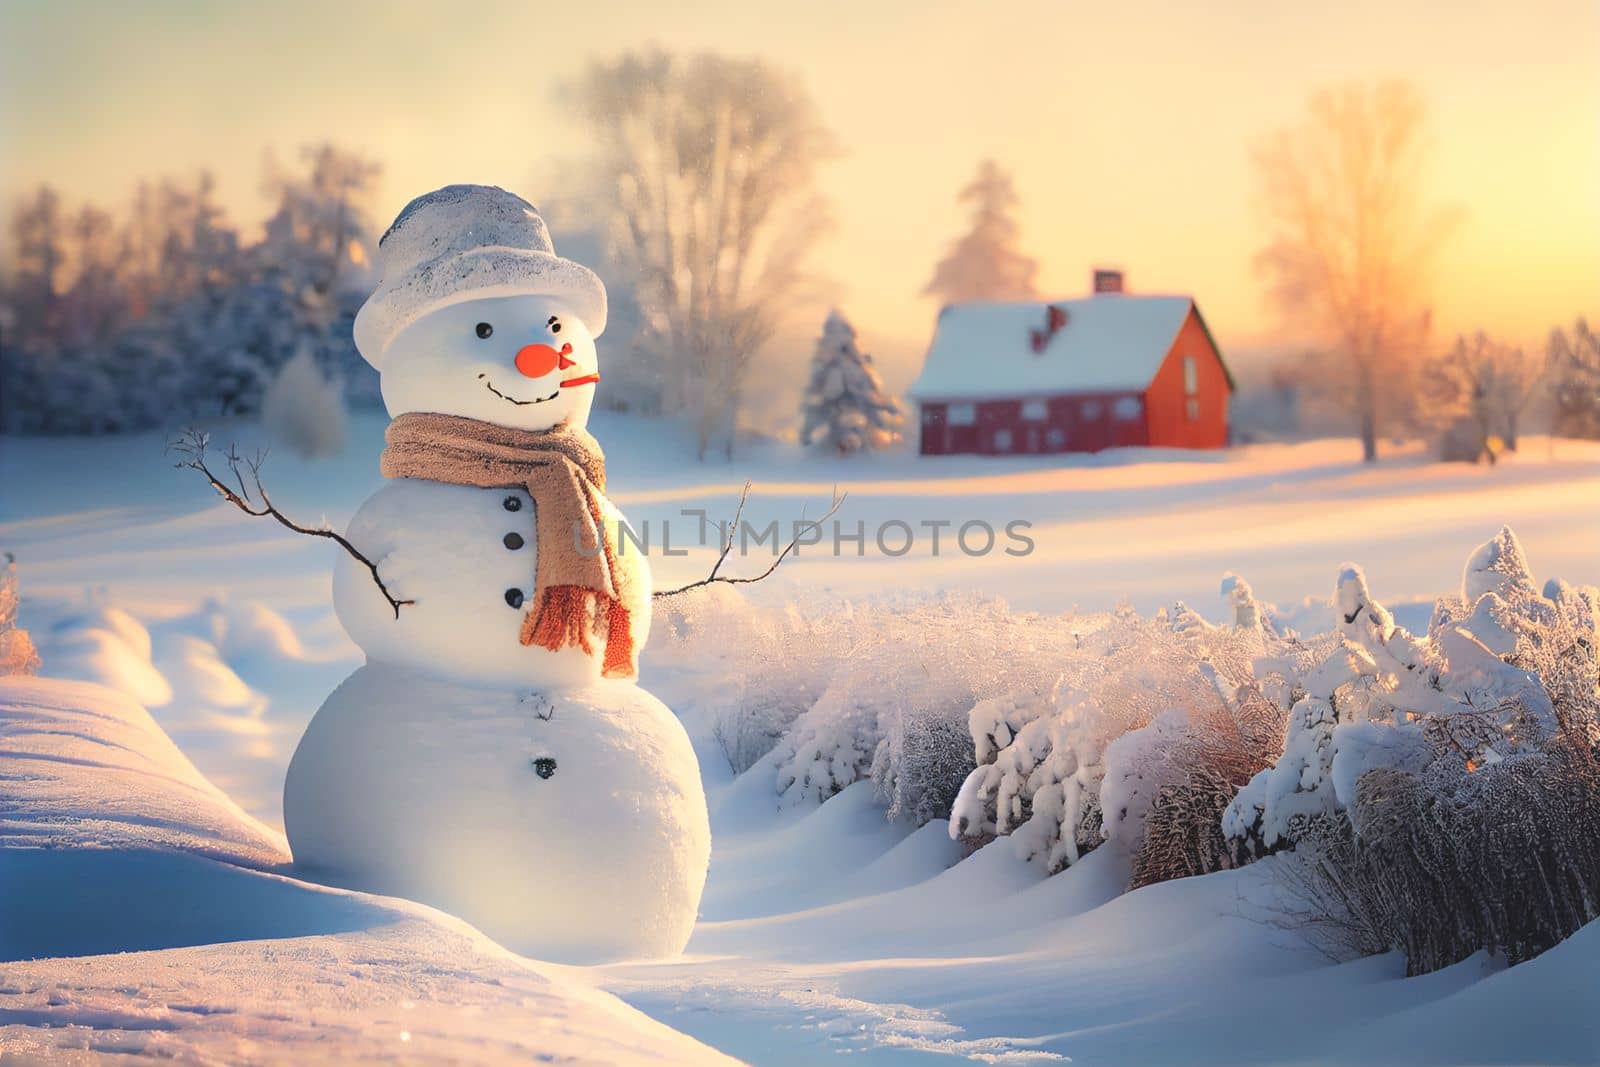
[
  {"x": 1091, "y": 409},
  {"x": 1191, "y": 376},
  {"x": 1035, "y": 410},
  {"x": 962, "y": 415},
  {"x": 1127, "y": 409},
  {"x": 1004, "y": 440}
]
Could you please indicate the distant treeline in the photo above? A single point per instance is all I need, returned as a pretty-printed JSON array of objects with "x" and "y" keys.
[{"x": 122, "y": 321}]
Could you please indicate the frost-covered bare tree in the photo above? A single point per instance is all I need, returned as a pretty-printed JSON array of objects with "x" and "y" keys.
[
  {"x": 1476, "y": 392},
  {"x": 317, "y": 251},
  {"x": 176, "y": 242},
  {"x": 986, "y": 263},
  {"x": 1575, "y": 380},
  {"x": 323, "y": 219},
  {"x": 1350, "y": 241},
  {"x": 706, "y": 166},
  {"x": 35, "y": 263}
]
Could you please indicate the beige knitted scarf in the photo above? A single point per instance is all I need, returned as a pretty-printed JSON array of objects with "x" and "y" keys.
[{"x": 576, "y": 592}]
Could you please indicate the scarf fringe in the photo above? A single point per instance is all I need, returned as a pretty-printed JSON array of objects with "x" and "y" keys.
[
  {"x": 619, "y": 643},
  {"x": 565, "y": 616},
  {"x": 562, "y": 618}
]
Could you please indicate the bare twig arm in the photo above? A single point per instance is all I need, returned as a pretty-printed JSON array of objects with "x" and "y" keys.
[
  {"x": 727, "y": 547},
  {"x": 191, "y": 447}
]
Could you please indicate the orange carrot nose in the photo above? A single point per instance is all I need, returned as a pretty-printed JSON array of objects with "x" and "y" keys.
[
  {"x": 566, "y": 358},
  {"x": 536, "y": 361}
]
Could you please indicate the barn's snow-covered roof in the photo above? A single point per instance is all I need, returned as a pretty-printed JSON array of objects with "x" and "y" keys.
[{"x": 1112, "y": 342}]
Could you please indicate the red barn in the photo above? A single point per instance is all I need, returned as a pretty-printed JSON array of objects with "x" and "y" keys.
[{"x": 1073, "y": 376}]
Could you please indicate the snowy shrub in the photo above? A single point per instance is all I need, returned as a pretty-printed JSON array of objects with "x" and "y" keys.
[
  {"x": 1500, "y": 860},
  {"x": 1145, "y": 714},
  {"x": 1248, "y": 612},
  {"x": 771, "y": 665},
  {"x": 1037, "y": 779},
  {"x": 745, "y": 734},
  {"x": 1442, "y": 793},
  {"x": 1189, "y": 768},
  {"x": 17, "y": 654},
  {"x": 1183, "y": 830},
  {"x": 924, "y": 755},
  {"x": 304, "y": 409},
  {"x": 903, "y": 678},
  {"x": 1386, "y": 698},
  {"x": 832, "y": 743}
]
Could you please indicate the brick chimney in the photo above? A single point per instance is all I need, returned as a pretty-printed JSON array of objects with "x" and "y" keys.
[{"x": 1107, "y": 281}]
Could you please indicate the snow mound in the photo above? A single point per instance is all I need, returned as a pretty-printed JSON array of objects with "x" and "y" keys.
[
  {"x": 83, "y": 766},
  {"x": 198, "y": 675},
  {"x": 197, "y": 662},
  {"x": 138, "y": 922},
  {"x": 247, "y": 633},
  {"x": 108, "y": 646}
]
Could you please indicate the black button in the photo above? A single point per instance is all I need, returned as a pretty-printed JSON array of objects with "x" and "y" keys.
[
  {"x": 514, "y": 597},
  {"x": 544, "y": 766},
  {"x": 513, "y": 541},
  {"x": 513, "y": 503}
]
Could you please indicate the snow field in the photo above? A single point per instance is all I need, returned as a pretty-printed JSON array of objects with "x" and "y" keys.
[{"x": 824, "y": 927}]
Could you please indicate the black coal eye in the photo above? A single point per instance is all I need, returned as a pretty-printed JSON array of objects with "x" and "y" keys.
[
  {"x": 484, "y": 331},
  {"x": 554, "y": 324},
  {"x": 555, "y": 328}
]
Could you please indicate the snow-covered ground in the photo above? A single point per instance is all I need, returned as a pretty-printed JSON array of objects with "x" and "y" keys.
[
  {"x": 823, "y": 930},
  {"x": 146, "y": 915}
]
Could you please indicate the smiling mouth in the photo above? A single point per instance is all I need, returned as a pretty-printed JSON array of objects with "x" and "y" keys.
[{"x": 520, "y": 403}]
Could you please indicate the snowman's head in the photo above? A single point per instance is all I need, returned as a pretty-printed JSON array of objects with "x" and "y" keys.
[
  {"x": 475, "y": 315},
  {"x": 527, "y": 362}
]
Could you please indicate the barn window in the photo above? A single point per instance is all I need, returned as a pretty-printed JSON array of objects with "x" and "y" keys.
[
  {"x": 1002, "y": 440},
  {"x": 1091, "y": 409},
  {"x": 1035, "y": 410},
  {"x": 1191, "y": 388},
  {"x": 1126, "y": 409},
  {"x": 1055, "y": 439},
  {"x": 963, "y": 415}
]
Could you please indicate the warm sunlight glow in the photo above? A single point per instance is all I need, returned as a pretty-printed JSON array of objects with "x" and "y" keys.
[{"x": 1127, "y": 136}]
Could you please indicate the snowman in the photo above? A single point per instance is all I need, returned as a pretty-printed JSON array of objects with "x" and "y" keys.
[{"x": 495, "y": 756}]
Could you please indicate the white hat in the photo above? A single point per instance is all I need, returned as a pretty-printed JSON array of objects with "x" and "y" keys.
[{"x": 468, "y": 242}]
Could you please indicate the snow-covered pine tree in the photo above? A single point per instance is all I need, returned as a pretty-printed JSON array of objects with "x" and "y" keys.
[
  {"x": 845, "y": 408},
  {"x": 986, "y": 263}
]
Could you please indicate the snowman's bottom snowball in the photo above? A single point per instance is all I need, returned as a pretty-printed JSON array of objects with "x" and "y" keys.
[{"x": 580, "y": 837}]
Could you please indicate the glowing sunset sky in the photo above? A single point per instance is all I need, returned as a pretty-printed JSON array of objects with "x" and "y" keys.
[{"x": 1126, "y": 125}]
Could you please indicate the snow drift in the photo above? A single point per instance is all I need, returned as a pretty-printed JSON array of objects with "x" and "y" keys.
[{"x": 146, "y": 914}]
